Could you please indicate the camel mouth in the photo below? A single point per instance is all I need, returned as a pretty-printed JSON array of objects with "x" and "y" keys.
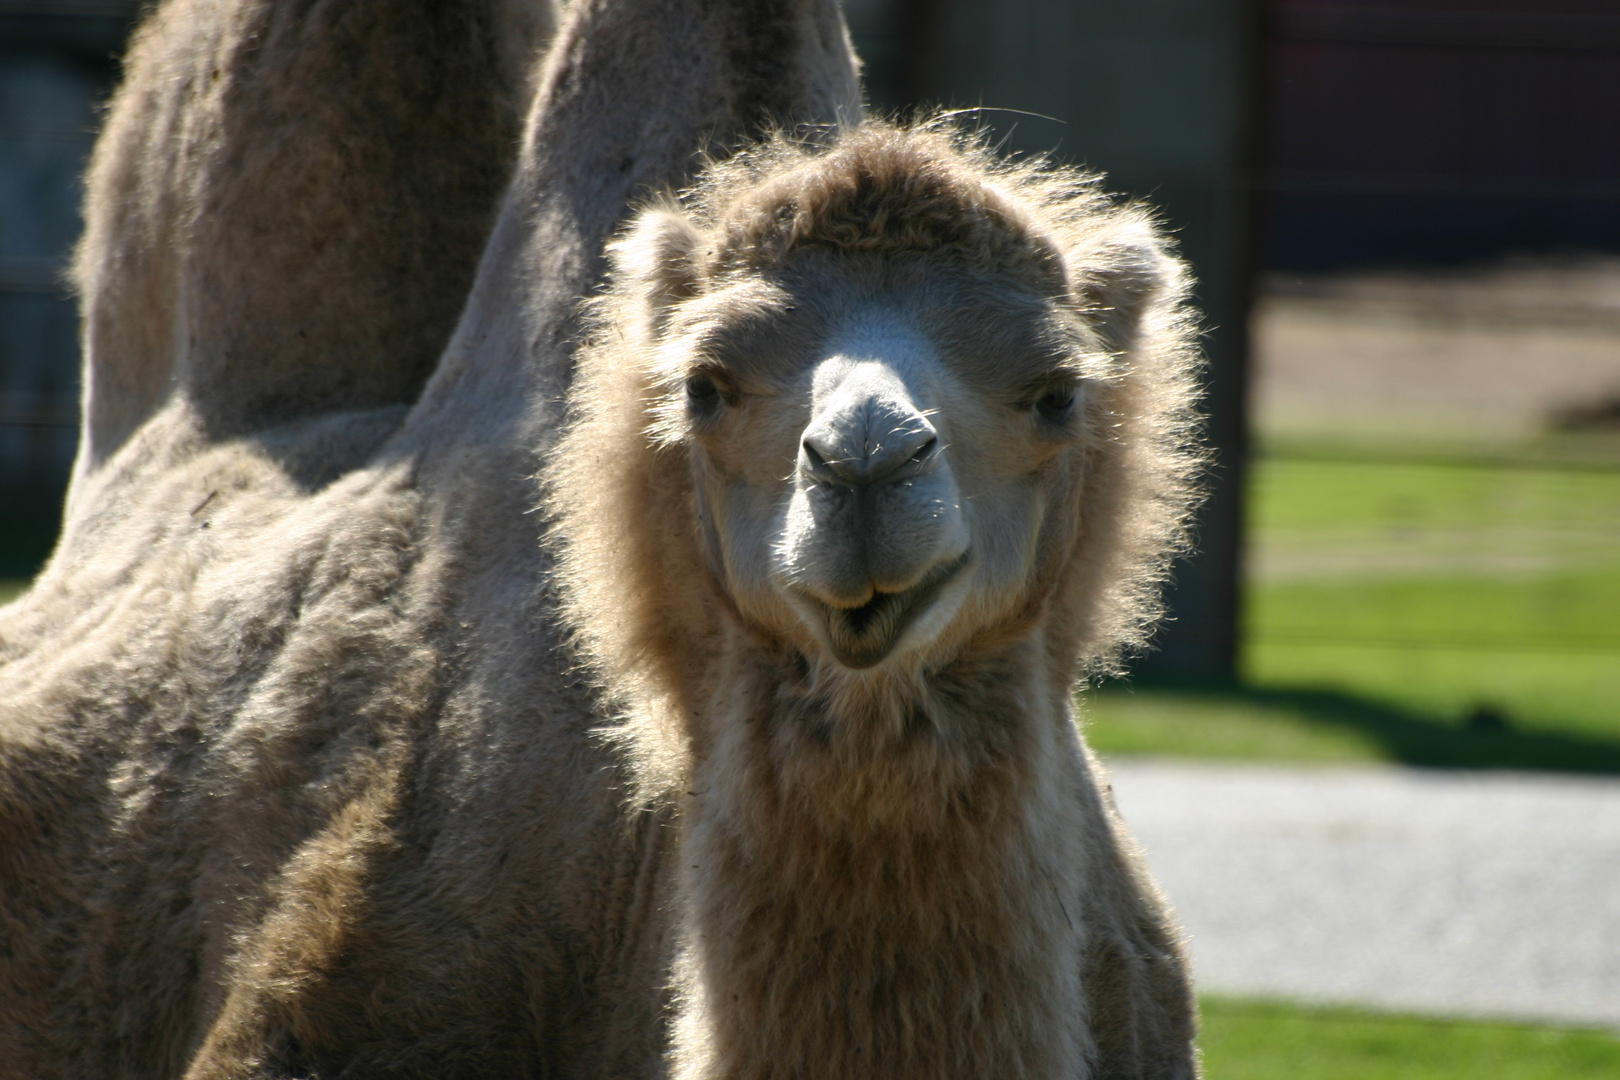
[{"x": 861, "y": 637}]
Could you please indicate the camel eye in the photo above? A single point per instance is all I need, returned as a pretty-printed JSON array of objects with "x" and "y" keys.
[
  {"x": 701, "y": 393},
  {"x": 1054, "y": 405}
]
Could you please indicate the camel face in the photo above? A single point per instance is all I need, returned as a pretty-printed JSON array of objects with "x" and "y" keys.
[
  {"x": 899, "y": 406},
  {"x": 875, "y": 442}
]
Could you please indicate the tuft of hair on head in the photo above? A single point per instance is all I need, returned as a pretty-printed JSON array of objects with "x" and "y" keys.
[{"x": 878, "y": 189}]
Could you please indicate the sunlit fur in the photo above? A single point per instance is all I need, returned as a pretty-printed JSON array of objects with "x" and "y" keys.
[{"x": 909, "y": 870}]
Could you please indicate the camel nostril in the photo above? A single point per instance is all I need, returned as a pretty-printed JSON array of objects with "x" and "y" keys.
[
  {"x": 816, "y": 464},
  {"x": 925, "y": 450}
]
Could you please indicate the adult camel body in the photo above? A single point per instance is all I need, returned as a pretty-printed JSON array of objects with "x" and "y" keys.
[{"x": 302, "y": 770}]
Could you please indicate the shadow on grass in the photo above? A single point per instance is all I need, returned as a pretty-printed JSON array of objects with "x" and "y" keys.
[{"x": 1487, "y": 740}]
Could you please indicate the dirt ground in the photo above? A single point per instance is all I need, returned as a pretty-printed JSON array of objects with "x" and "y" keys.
[{"x": 1499, "y": 355}]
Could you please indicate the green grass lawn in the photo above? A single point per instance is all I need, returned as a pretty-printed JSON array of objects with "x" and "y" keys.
[
  {"x": 1246, "y": 1040},
  {"x": 1442, "y": 613}
]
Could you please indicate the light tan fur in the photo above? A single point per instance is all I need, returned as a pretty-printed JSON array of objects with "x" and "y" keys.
[
  {"x": 907, "y": 871},
  {"x": 299, "y": 772}
]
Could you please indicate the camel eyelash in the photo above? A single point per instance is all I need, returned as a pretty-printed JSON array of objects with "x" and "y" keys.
[
  {"x": 1053, "y": 399},
  {"x": 705, "y": 389},
  {"x": 701, "y": 387}
]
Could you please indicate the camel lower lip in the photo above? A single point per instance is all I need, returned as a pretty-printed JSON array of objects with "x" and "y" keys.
[{"x": 862, "y": 636}]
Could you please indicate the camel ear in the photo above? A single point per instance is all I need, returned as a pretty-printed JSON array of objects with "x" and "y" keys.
[
  {"x": 656, "y": 262},
  {"x": 1122, "y": 277}
]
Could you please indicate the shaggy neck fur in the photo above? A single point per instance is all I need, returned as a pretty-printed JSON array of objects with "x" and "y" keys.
[{"x": 876, "y": 887}]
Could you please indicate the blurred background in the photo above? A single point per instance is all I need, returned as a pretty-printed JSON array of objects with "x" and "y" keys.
[
  {"x": 1405, "y": 220},
  {"x": 58, "y": 63}
]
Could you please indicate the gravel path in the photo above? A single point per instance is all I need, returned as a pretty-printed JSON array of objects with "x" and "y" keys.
[{"x": 1438, "y": 892}]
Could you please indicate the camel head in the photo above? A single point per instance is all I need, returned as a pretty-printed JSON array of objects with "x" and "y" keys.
[{"x": 880, "y": 403}]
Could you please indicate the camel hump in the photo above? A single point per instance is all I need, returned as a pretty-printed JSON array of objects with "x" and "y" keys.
[{"x": 286, "y": 208}]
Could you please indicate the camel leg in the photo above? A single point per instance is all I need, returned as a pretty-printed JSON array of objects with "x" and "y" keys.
[{"x": 286, "y": 208}]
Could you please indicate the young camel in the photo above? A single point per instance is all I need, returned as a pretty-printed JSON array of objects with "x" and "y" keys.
[
  {"x": 877, "y": 449},
  {"x": 297, "y": 774}
]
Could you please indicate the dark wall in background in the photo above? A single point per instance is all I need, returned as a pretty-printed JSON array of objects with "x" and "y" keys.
[
  {"x": 1440, "y": 131},
  {"x": 57, "y": 64}
]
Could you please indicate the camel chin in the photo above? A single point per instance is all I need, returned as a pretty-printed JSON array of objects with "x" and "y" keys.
[{"x": 891, "y": 624}]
